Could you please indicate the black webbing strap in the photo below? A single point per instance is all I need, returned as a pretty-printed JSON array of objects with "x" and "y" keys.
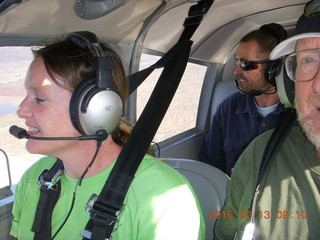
[
  {"x": 50, "y": 188},
  {"x": 273, "y": 146},
  {"x": 137, "y": 78},
  {"x": 105, "y": 211},
  {"x": 276, "y": 140},
  {"x": 191, "y": 23},
  {"x": 107, "y": 208}
]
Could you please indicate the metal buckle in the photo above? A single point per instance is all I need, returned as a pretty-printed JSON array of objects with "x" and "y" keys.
[
  {"x": 87, "y": 234},
  {"x": 51, "y": 182},
  {"x": 110, "y": 216},
  {"x": 91, "y": 201}
]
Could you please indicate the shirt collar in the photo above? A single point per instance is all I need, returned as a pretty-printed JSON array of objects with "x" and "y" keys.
[{"x": 247, "y": 105}]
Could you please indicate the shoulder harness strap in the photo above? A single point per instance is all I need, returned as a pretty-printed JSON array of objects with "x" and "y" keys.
[
  {"x": 105, "y": 208},
  {"x": 273, "y": 146},
  {"x": 276, "y": 140},
  {"x": 50, "y": 188}
]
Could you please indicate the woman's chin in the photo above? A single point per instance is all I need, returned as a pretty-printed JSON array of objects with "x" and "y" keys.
[{"x": 33, "y": 147}]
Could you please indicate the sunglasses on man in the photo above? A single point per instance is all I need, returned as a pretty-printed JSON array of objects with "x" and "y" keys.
[{"x": 247, "y": 65}]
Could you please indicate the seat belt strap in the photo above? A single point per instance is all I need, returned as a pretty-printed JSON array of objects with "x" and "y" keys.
[
  {"x": 137, "y": 78},
  {"x": 106, "y": 208},
  {"x": 50, "y": 188},
  {"x": 276, "y": 140},
  {"x": 273, "y": 146},
  {"x": 191, "y": 23}
]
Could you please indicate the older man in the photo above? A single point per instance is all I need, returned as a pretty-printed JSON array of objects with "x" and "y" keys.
[{"x": 286, "y": 203}]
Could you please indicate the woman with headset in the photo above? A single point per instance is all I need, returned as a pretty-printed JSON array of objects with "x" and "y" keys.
[{"x": 76, "y": 88}]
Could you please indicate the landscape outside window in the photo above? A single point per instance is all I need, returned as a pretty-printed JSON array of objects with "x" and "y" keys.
[
  {"x": 14, "y": 62},
  {"x": 182, "y": 112}
]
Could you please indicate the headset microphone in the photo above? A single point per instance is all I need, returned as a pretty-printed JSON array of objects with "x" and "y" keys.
[
  {"x": 20, "y": 133},
  {"x": 254, "y": 92}
]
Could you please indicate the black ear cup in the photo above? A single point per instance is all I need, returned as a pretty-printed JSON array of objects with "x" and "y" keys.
[
  {"x": 272, "y": 69},
  {"x": 75, "y": 102},
  {"x": 286, "y": 88},
  {"x": 92, "y": 109}
]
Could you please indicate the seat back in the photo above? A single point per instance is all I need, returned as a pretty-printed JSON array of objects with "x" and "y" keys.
[
  {"x": 209, "y": 183},
  {"x": 222, "y": 90}
]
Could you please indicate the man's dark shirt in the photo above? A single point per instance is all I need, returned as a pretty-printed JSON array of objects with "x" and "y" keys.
[{"x": 236, "y": 122}]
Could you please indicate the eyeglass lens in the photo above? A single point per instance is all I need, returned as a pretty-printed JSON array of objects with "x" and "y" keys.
[{"x": 303, "y": 65}]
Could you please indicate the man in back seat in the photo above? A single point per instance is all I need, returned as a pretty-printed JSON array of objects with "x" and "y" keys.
[{"x": 254, "y": 109}]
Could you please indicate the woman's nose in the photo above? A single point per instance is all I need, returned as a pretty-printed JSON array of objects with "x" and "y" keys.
[{"x": 23, "y": 110}]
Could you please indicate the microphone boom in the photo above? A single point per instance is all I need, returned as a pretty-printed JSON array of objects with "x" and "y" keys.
[{"x": 20, "y": 133}]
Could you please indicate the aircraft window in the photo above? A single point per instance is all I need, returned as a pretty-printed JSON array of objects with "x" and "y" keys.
[
  {"x": 14, "y": 63},
  {"x": 182, "y": 113}
]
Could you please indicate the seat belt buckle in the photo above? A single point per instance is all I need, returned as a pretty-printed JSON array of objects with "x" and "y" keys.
[
  {"x": 110, "y": 215},
  {"x": 101, "y": 213},
  {"x": 86, "y": 234},
  {"x": 46, "y": 180}
]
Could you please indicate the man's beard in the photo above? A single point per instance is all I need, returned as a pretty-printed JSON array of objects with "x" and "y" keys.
[{"x": 308, "y": 127}]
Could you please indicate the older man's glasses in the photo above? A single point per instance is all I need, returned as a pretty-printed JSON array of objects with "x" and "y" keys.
[
  {"x": 247, "y": 65},
  {"x": 303, "y": 65}
]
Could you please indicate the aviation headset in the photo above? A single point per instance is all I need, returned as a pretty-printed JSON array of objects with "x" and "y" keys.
[
  {"x": 96, "y": 103},
  {"x": 273, "y": 66},
  {"x": 275, "y": 72},
  {"x": 285, "y": 87}
]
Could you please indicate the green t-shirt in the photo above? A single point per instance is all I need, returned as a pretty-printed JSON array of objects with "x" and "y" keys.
[
  {"x": 160, "y": 204},
  {"x": 288, "y": 206}
]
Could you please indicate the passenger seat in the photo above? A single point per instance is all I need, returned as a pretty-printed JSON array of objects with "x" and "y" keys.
[
  {"x": 222, "y": 90},
  {"x": 209, "y": 183}
]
